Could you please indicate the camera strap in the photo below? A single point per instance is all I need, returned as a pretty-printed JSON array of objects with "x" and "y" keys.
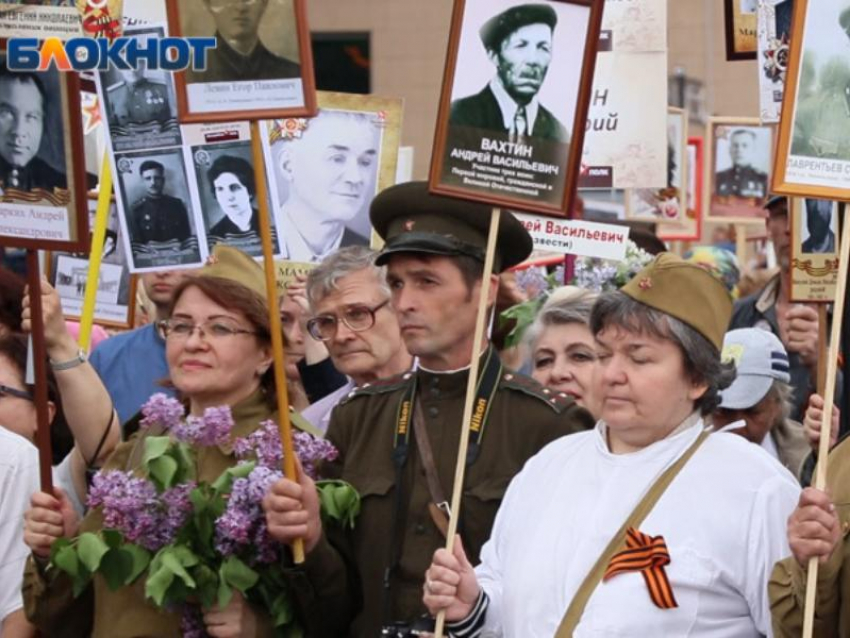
[{"x": 409, "y": 410}]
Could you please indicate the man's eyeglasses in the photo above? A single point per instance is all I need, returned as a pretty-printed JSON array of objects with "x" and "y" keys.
[
  {"x": 357, "y": 318},
  {"x": 212, "y": 330},
  {"x": 14, "y": 392}
]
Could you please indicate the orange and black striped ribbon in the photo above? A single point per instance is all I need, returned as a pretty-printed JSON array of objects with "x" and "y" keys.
[{"x": 647, "y": 555}]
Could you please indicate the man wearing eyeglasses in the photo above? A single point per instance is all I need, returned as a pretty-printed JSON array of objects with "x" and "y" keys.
[
  {"x": 239, "y": 55},
  {"x": 398, "y": 437},
  {"x": 352, "y": 316}
]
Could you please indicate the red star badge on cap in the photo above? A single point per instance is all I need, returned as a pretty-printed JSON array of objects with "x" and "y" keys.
[
  {"x": 408, "y": 225},
  {"x": 645, "y": 283}
]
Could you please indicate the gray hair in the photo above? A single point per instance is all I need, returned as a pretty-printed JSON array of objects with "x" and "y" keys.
[
  {"x": 323, "y": 279},
  {"x": 565, "y": 305},
  {"x": 784, "y": 394},
  {"x": 701, "y": 357}
]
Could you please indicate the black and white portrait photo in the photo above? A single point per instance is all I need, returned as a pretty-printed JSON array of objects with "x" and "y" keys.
[
  {"x": 227, "y": 192},
  {"x": 818, "y": 226},
  {"x": 740, "y": 173},
  {"x": 513, "y": 100},
  {"x": 139, "y": 103},
  {"x": 156, "y": 207},
  {"x": 32, "y": 147},
  {"x": 256, "y": 64},
  {"x": 326, "y": 177},
  {"x": 42, "y": 162}
]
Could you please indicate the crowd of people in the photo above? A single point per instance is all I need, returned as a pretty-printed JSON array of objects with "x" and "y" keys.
[{"x": 638, "y": 462}]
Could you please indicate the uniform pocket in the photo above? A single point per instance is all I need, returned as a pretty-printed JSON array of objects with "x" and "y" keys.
[{"x": 480, "y": 504}]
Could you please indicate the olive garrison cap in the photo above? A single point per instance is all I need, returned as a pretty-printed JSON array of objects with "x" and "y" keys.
[
  {"x": 499, "y": 27},
  {"x": 685, "y": 291},
  {"x": 412, "y": 220},
  {"x": 227, "y": 262}
]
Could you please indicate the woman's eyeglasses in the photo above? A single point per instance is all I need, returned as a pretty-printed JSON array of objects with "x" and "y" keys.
[{"x": 14, "y": 392}]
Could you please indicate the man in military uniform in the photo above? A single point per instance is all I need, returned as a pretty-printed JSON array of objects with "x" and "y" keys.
[
  {"x": 519, "y": 43},
  {"x": 434, "y": 253},
  {"x": 239, "y": 55},
  {"x": 138, "y": 100},
  {"x": 157, "y": 216},
  {"x": 742, "y": 179},
  {"x": 23, "y": 110}
]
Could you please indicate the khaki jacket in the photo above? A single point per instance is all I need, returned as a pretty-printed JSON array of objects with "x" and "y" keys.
[
  {"x": 787, "y": 587},
  {"x": 523, "y": 418}
]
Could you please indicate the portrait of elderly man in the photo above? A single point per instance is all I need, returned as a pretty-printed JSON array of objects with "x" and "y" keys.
[
  {"x": 23, "y": 113},
  {"x": 743, "y": 178},
  {"x": 518, "y": 42},
  {"x": 239, "y": 54},
  {"x": 818, "y": 221},
  {"x": 157, "y": 217},
  {"x": 330, "y": 174}
]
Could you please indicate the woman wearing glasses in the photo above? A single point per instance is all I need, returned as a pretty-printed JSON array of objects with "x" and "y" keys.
[{"x": 218, "y": 349}]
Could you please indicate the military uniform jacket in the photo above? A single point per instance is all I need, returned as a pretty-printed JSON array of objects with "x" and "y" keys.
[
  {"x": 36, "y": 174},
  {"x": 159, "y": 219},
  {"x": 224, "y": 64},
  {"x": 482, "y": 111},
  {"x": 742, "y": 181},
  {"x": 787, "y": 587},
  {"x": 139, "y": 103},
  {"x": 523, "y": 419}
]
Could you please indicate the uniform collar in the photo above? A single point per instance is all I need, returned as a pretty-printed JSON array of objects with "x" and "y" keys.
[{"x": 509, "y": 107}]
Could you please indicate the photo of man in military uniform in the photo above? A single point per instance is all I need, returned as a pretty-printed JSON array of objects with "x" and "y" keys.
[
  {"x": 23, "y": 118},
  {"x": 157, "y": 217},
  {"x": 821, "y": 239},
  {"x": 518, "y": 42},
  {"x": 240, "y": 54},
  {"x": 743, "y": 178},
  {"x": 138, "y": 100}
]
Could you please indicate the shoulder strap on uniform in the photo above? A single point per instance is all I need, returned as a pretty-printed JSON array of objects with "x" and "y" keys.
[
  {"x": 557, "y": 401},
  {"x": 390, "y": 384}
]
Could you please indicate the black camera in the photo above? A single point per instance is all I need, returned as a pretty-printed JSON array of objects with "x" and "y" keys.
[{"x": 419, "y": 627}]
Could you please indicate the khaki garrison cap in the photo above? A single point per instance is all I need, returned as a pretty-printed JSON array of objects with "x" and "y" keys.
[
  {"x": 685, "y": 291},
  {"x": 412, "y": 220},
  {"x": 227, "y": 262}
]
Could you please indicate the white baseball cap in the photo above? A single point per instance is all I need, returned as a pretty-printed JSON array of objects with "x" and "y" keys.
[{"x": 759, "y": 358}]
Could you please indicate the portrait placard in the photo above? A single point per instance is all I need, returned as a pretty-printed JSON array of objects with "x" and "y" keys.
[
  {"x": 157, "y": 217},
  {"x": 668, "y": 203},
  {"x": 813, "y": 153},
  {"x": 116, "y": 288},
  {"x": 774, "y": 36},
  {"x": 324, "y": 171},
  {"x": 261, "y": 67},
  {"x": 814, "y": 249},
  {"x": 637, "y": 26},
  {"x": 514, "y": 102},
  {"x": 625, "y": 147},
  {"x": 738, "y": 169},
  {"x": 42, "y": 165},
  {"x": 741, "y": 21},
  {"x": 139, "y": 104},
  {"x": 19, "y": 20},
  {"x": 689, "y": 226}
]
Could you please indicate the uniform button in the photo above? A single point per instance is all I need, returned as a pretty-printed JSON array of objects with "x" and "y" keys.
[
  {"x": 435, "y": 381},
  {"x": 435, "y": 392},
  {"x": 407, "y": 376},
  {"x": 509, "y": 377},
  {"x": 546, "y": 391},
  {"x": 419, "y": 529},
  {"x": 433, "y": 411}
]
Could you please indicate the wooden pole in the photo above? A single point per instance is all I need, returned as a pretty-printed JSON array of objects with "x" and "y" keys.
[
  {"x": 823, "y": 349},
  {"x": 39, "y": 353},
  {"x": 98, "y": 233},
  {"x": 274, "y": 320},
  {"x": 472, "y": 382},
  {"x": 828, "y": 398}
]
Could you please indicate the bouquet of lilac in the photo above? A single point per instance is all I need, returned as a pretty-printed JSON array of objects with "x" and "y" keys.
[{"x": 197, "y": 542}]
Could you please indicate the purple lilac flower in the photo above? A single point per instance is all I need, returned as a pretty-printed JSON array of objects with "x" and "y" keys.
[
  {"x": 243, "y": 523},
  {"x": 264, "y": 445},
  {"x": 532, "y": 281},
  {"x": 192, "y": 622},
  {"x": 213, "y": 428},
  {"x": 132, "y": 506},
  {"x": 162, "y": 410}
]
